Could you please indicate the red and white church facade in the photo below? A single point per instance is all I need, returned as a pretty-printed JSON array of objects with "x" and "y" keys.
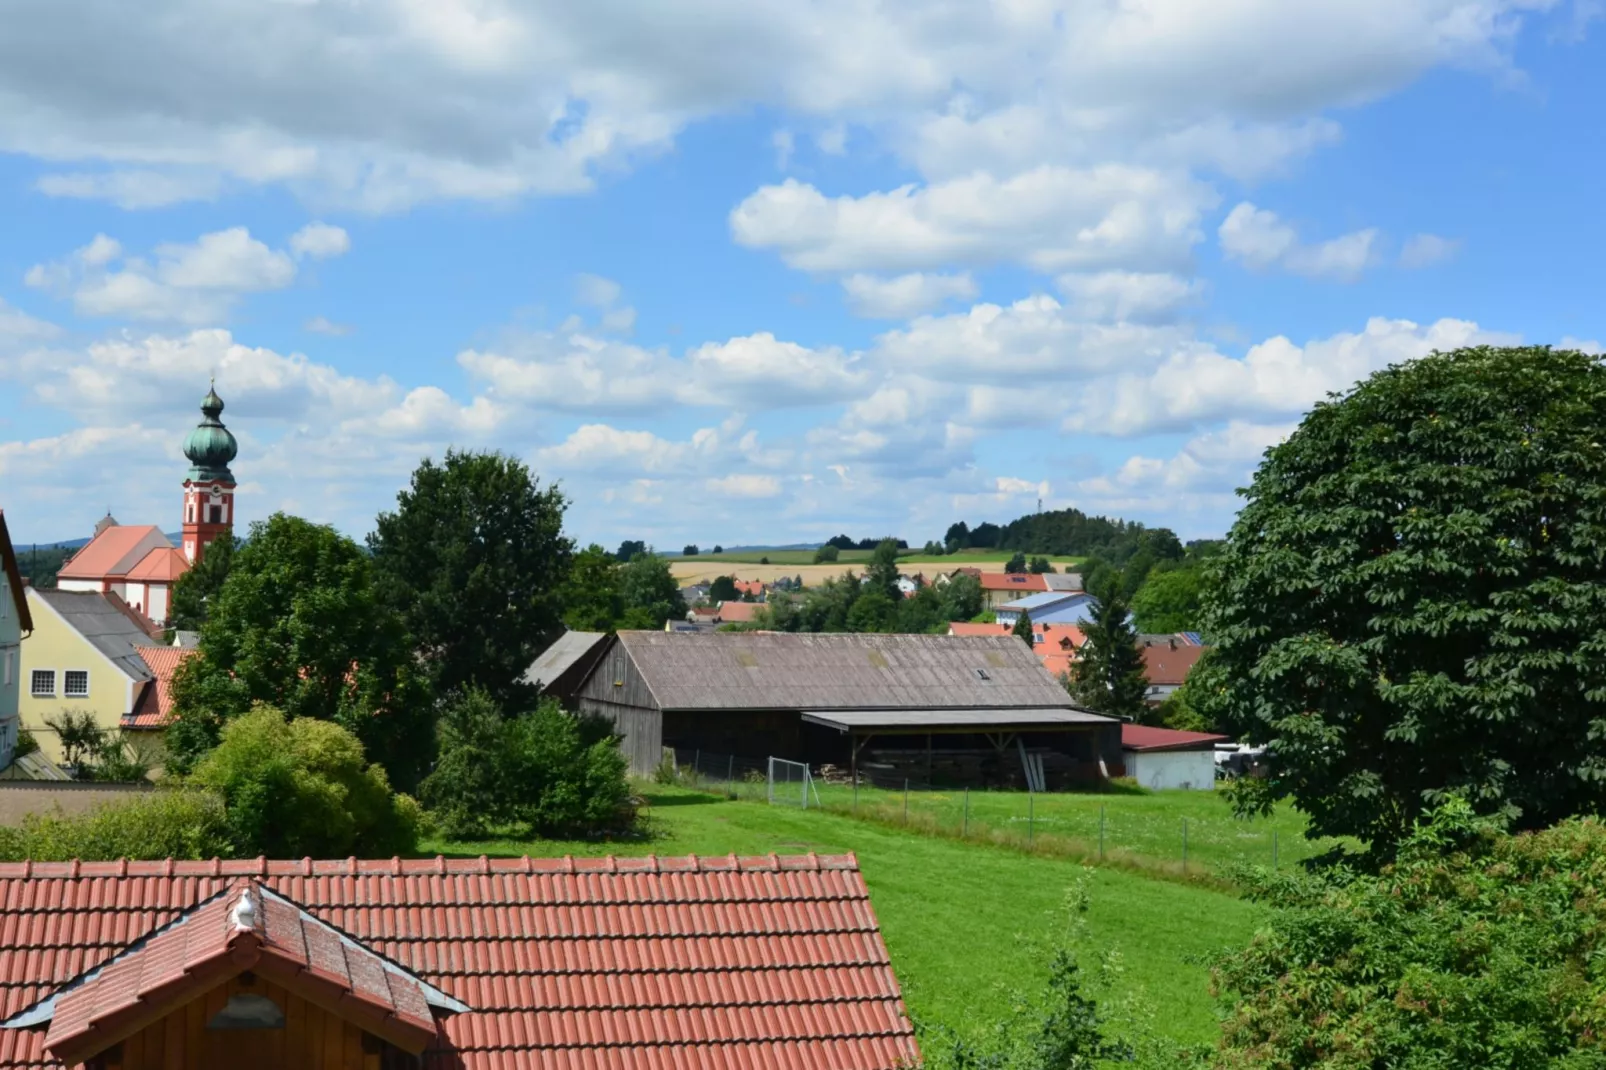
[{"x": 138, "y": 563}]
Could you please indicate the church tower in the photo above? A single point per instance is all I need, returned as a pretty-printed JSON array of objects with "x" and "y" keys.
[{"x": 209, "y": 485}]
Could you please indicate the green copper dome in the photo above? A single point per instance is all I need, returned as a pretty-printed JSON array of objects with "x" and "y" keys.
[{"x": 210, "y": 447}]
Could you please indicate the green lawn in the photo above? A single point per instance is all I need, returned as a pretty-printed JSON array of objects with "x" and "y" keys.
[{"x": 959, "y": 918}]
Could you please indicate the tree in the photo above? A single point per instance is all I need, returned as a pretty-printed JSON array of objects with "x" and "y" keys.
[
  {"x": 1016, "y": 563},
  {"x": 195, "y": 589},
  {"x": 962, "y": 597},
  {"x": 628, "y": 550},
  {"x": 1023, "y": 630},
  {"x": 826, "y": 555},
  {"x": 723, "y": 589},
  {"x": 1170, "y": 600},
  {"x": 1472, "y": 949},
  {"x": 957, "y": 537},
  {"x": 883, "y": 571},
  {"x": 299, "y": 626},
  {"x": 1109, "y": 677},
  {"x": 302, "y": 787},
  {"x": 985, "y": 536},
  {"x": 472, "y": 559},
  {"x": 872, "y": 611},
  {"x": 689, "y": 550},
  {"x": 79, "y": 735},
  {"x": 841, "y": 542},
  {"x": 648, "y": 593},
  {"x": 1040, "y": 565},
  {"x": 719, "y": 549},
  {"x": 1413, "y": 600},
  {"x": 591, "y": 593}
]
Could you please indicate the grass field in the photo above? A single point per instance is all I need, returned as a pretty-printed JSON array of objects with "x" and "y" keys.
[
  {"x": 961, "y": 919},
  {"x": 745, "y": 566}
]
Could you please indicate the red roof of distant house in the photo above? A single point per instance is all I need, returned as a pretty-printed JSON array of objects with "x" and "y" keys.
[
  {"x": 164, "y": 564},
  {"x": 1057, "y": 650},
  {"x": 675, "y": 963},
  {"x": 705, "y": 611},
  {"x": 739, "y": 612},
  {"x": 1026, "y": 582},
  {"x": 155, "y": 706},
  {"x": 1168, "y": 665},
  {"x": 752, "y": 587},
  {"x": 111, "y": 553},
  {"x": 1141, "y": 737}
]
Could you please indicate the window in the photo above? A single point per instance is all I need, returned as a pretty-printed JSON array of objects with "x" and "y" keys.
[
  {"x": 76, "y": 684},
  {"x": 217, "y": 514},
  {"x": 43, "y": 683}
]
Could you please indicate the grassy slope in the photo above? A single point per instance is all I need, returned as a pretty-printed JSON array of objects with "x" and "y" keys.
[{"x": 954, "y": 914}]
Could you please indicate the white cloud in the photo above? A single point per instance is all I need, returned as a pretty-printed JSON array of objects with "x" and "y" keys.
[
  {"x": 1261, "y": 241},
  {"x": 784, "y": 145},
  {"x": 1583, "y": 345},
  {"x": 619, "y": 320},
  {"x": 320, "y": 241},
  {"x": 1197, "y": 384},
  {"x": 1198, "y": 481},
  {"x": 1128, "y": 295},
  {"x": 1425, "y": 250},
  {"x": 226, "y": 260},
  {"x": 596, "y": 291},
  {"x": 742, "y": 485},
  {"x": 18, "y": 326},
  {"x": 1049, "y": 218},
  {"x": 833, "y": 140},
  {"x": 324, "y": 325},
  {"x": 902, "y": 296},
  {"x": 131, "y": 189}
]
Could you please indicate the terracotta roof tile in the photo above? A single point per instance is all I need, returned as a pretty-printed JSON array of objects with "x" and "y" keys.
[
  {"x": 1027, "y": 582},
  {"x": 675, "y": 963},
  {"x": 1164, "y": 664},
  {"x": 1140, "y": 737},
  {"x": 155, "y": 705},
  {"x": 113, "y": 552},
  {"x": 164, "y": 564}
]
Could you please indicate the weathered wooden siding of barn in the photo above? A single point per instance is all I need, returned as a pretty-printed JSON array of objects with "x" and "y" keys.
[{"x": 615, "y": 690}]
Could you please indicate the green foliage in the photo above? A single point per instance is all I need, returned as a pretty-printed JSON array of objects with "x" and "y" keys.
[
  {"x": 1177, "y": 711},
  {"x": 298, "y": 626},
  {"x": 547, "y": 772},
  {"x": 154, "y": 825},
  {"x": 628, "y": 550},
  {"x": 195, "y": 590},
  {"x": 1109, "y": 676},
  {"x": 472, "y": 560},
  {"x": 79, "y": 734},
  {"x": 26, "y": 744},
  {"x": 1040, "y": 565},
  {"x": 723, "y": 589},
  {"x": 882, "y": 575},
  {"x": 591, "y": 595},
  {"x": 1474, "y": 949},
  {"x": 648, "y": 593},
  {"x": 872, "y": 611},
  {"x": 1412, "y": 602},
  {"x": 689, "y": 550},
  {"x": 39, "y": 564},
  {"x": 125, "y": 757},
  {"x": 1023, "y": 630},
  {"x": 826, "y": 555},
  {"x": 1170, "y": 600},
  {"x": 294, "y": 788},
  {"x": 1016, "y": 563},
  {"x": 962, "y": 597}
]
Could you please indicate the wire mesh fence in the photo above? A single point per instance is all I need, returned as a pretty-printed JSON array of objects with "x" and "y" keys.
[{"x": 727, "y": 774}]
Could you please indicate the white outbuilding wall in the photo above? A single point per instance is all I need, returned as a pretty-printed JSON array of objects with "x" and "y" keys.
[{"x": 1194, "y": 770}]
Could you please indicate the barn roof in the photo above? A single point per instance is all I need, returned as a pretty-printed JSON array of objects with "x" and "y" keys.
[
  {"x": 782, "y": 671},
  {"x": 569, "y": 650},
  {"x": 601, "y": 964},
  {"x": 1021, "y": 719}
]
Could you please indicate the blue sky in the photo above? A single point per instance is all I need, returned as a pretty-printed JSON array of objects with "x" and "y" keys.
[{"x": 752, "y": 272}]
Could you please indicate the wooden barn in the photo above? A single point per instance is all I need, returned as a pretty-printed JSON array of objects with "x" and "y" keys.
[{"x": 935, "y": 708}]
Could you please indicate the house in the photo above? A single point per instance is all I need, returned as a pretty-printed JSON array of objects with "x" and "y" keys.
[
  {"x": 447, "y": 964},
  {"x": 1167, "y": 661},
  {"x": 1056, "y": 645},
  {"x": 153, "y": 710},
  {"x": 1063, "y": 581},
  {"x": 1160, "y": 758},
  {"x": 703, "y": 615},
  {"x": 561, "y": 666},
  {"x": 137, "y": 563},
  {"x": 957, "y": 709},
  {"x": 16, "y": 624},
  {"x": 1050, "y": 607},
  {"x": 1000, "y": 588},
  {"x": 83, "y": 655},
  {"x": 755, "y": 589},
  {"x": 694, "y": 593},
  {"x": 739, "y": 612}
]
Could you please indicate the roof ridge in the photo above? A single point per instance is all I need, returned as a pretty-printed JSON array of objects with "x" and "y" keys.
[{"x": 260, "y": 866}]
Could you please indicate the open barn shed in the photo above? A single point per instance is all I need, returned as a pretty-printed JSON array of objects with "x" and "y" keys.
[{"x": 956, "y": 709}]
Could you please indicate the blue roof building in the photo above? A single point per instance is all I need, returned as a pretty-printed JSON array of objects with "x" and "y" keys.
[{"x": 1049, "y": 607}]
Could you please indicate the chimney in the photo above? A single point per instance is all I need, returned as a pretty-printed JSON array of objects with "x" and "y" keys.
[{"x": 1173, "y": 642}]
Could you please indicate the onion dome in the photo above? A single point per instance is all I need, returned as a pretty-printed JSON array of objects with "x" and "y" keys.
[{"x": 210, "y": 447}]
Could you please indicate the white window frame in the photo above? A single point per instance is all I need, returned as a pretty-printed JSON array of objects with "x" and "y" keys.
[
  {"x": 66, "y": 678},
  {"x": 10, "y": 654},
  {"x": 33, "y": 689}
]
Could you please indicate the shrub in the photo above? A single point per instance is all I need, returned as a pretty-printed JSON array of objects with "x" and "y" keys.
[
  {"x": 550, "y": 772},
  {"x": 303, "y": 787},
  {"x": 1473, "y": 949},
  {"x": 826, "y": 555},
  {"x": 160, "y": 824}
]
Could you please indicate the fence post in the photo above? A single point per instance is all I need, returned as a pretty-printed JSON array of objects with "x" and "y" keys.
[
  {"x": 697, "y": 763},
  {"x": 1031, "y": 797},
  {"x": 1101, "y": 832},
  {"x": 1274, "y": 850},
  {"x": 730, "y": 776},
  {"x": 905, "y": 800},
  {"x": 1184, "y": 846},
  {"x": 855, "y": 793},
  {"x": 964, "y": 832}
]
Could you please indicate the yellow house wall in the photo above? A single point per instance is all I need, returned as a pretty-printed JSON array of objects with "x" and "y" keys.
[{"x": 55, "y": 645}]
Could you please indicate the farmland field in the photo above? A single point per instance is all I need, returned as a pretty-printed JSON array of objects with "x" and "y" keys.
[
  {"x": 960, "y": 919},
  {"x": 745, "y": 566}
]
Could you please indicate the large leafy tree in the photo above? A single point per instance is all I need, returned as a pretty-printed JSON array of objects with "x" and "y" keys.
[
  {"x": 1170, "y": 599},
  {"x": 299, "y": 626},
  {"x": 1108, "y": 676},
  {"x": 194, "y": 591},
  {"x": 1413, "y": 600},
  {"x": 590, "y": 595},
  {"x": 648, "y": 592},
  {"x": 883, "y": 571},
  {"x": 473, "y": 558}
]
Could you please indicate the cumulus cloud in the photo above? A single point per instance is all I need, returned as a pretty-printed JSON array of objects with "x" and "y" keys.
[
  {"x": 132, "y": 189},
  {"x": 1425, "y": 250},
  {"x": 1129, "y": 295},
  {"x": 743, "y": 485},
  {"x": 320, "y": 241},
  {"x": 900, "y": 297},
  {"x": 596, "y": 291},
  {"x": 324, "y": 325},
  {"x": 1261, "y": 241}
]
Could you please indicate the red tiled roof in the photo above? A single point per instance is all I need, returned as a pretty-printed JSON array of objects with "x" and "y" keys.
[
  {"x": 739, "y": 612},
  {"x": 106, "y": 554},
  {"x": 752, "y": 587},
  {"x": 1164, "y": 664},
  {"x": 1141, "y": 737},
  {"x": 1013, "y": 581},
  {"x": 155, "y": 705},
  {"x": 572, "y": 964},
  {"x": 706, "y": 611},
  {"x": 165, "y": 564},
  {"x": 245, "y": 928}
]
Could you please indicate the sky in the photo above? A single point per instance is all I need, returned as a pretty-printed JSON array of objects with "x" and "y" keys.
[{"x": 753, "y": 272}]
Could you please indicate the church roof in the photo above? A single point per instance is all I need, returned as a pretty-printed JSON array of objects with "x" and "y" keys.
[
  {"x": 113, "y": 552},
  {"x": 165, "y": 564},
  {"x": 210, "y": 446}
]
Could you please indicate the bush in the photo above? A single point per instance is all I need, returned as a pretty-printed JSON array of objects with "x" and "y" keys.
[
  {"x": 303, "y": 787},
  {"x": 826, "y": 555},
  {"x": 1473, "y": 949},
  {"x": 160, "y": 824},
  {"x": 548, "y": 772}
]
